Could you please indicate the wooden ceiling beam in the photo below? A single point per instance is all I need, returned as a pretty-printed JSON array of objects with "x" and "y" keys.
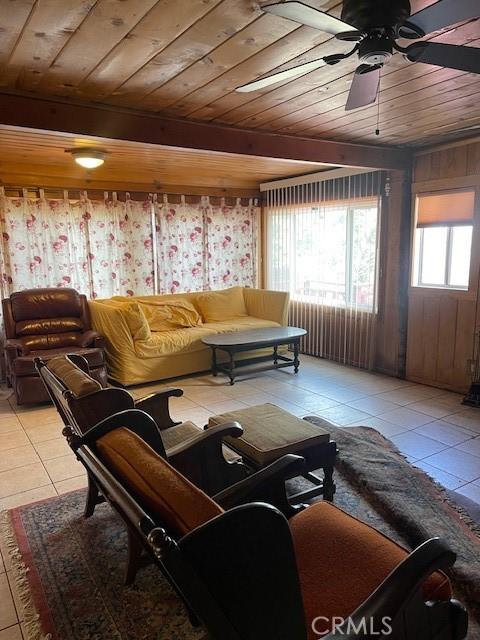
[{"x": 107, "y": 122}]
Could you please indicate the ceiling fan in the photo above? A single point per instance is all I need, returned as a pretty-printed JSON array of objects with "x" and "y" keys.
[{"x": 375, "y": 26}]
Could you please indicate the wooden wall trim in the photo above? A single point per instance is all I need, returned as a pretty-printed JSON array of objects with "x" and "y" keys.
[
  {"x": 107, "y": 122},
  {"x": 444, "y": 184},
  {"x": 447, "y": 145}
]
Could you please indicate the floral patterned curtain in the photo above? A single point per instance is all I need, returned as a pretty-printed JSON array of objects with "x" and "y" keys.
[
  {"x": 203, "y": 247},
  {"x": 120, "y": 247},
  {"x": 107, "y": 247}
]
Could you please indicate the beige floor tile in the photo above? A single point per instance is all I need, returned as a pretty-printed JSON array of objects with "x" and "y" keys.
[
  {"x": 445, "y": 432},
  {"x": 64, "y": 467},
  {"x": 55, "y": 448},
  {"x": 342, "y": 394},
  {"x": 406, "y": 417},
  {"x": 9, "y": 423},
  {"x": 31, "y": 420},
  {"x": 258, "y": 398},
  {"x": 373, "y": 405},
  {"x": 470, "y": 446},
  {"x": 471, "y": 491},
  {"x": 294, "y": 409},
  {"x": 197, "y": 394},
  {"x": 318, "y": 403},
  {"x": 12, "y": 440},
  {"x": 11, "y": 633},
  {"x": 444, "y": 478},
  {"x": 43, "y": 432},
  {"x": 27, "y": 497},
  {"x": 8, "y": 616},
  {"x": 2, "y": 565},
  {"x": 71, "y": 484},
  {"x": 388, "y": 429},
  {"x": 458, "y": 463},
  {"x": 216, "y": 408},
  {"x": 22, "y": 479},
  {"x": 344, "y": 415},
  {"x": 198, "y": 415},
  {"x": 431, "y": 408},
  {"x": 466, "y": 418},
  {"x": 416, "y": 445},
  {"x": 18, "y": 457},
  {"x": 408, "y": 395}
]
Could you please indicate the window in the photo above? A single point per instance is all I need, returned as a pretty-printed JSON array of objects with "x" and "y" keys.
[
  {"x": 325, "y": 254},
  {"x": 443, "y": 240}
]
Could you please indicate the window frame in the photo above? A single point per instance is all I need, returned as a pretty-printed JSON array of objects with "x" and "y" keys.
[
  {"x": 350, "y": 208},
  {"x": 448, "y": 260}
]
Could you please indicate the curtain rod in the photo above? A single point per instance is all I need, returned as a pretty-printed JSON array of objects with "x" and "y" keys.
[
  {"x": 319, "y": 176},
  {"x": 99, "y": 194}
]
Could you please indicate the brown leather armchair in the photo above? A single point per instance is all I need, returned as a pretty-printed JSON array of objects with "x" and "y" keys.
[{"x": 43, "y": 323}]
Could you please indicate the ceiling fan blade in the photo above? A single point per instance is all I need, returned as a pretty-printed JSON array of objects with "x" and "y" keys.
[
  {"x": 364, "y": 87},
  {"x": 445, "y": 55},
  {"x": 308, "y": 16},
  {"x": 445, "y": 13},
  {"x": 299, "y": 70}
]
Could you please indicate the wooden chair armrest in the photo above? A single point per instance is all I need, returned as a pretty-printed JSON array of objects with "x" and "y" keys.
[
  {"x": 217, "y": 433},
  {"x": 137, "y": 421},
  {"x": 390, "y": 599},
  {"x": 156, "y": 405},
  {"x": 266, "y": 485},
  {"x": 201, "y": 458}
]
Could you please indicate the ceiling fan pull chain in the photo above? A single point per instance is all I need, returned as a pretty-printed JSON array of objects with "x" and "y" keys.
[{"x": 377, "y": 130}]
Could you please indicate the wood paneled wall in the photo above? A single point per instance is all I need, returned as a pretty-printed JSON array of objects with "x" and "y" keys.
[{"x": 441, "y": 322}]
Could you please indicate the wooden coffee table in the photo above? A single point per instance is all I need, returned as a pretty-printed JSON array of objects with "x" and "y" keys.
[{"x": 237, "y": 342}]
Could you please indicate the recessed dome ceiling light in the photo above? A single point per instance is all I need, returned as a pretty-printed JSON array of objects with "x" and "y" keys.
[{"x": 88, "y": 158}]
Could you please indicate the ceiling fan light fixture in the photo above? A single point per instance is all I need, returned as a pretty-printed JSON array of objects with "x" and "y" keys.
[{"x": 88, "y": 158}]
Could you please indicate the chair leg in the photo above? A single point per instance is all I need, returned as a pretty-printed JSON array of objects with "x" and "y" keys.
[
  {"x": 329, "y": 487},
  {"x": 92, "y": 498},
  {"x": 134, "y": 559}
]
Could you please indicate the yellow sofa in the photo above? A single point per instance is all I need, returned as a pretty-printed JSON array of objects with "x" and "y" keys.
[{"x": 137, "y": 354}]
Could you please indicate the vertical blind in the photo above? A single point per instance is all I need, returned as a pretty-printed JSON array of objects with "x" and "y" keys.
[{"x": 322, "y": 243}]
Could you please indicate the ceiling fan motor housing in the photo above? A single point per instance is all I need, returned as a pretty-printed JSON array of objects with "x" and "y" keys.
[
  {"x": 375, "y": 49},
  {"x": 367, "y": 14}
]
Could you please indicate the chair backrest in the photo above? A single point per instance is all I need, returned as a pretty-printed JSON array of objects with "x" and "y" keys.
[
  {"x": 231, "y": 567},
  {"x": 46, "y": 318},
  {"x": 80, "y": 399}
]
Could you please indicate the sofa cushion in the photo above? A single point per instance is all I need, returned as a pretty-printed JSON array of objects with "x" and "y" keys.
[
  {"x": 24, "y": 365},
  {"x": 134, "y": 317},
  {"x": 240, "y": 324},
  {"x": 342, "y": 560},
  {"x": 159, "y": 487},
  {"x": 166, "y": 343},
  {"x": 74, "y": 379},
  {"x": 216, "y": 306},
  {"x": 168, "y": 315}
]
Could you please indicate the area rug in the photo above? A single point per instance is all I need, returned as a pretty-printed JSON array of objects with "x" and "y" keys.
[
  {"x": 413, "y": 506},
  {"x": 69, "y": 571}
]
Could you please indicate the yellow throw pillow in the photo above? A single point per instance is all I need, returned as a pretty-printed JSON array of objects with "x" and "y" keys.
[
  {"x": 134, "y": 316},
  {"x": 170, "y": 314},
  {"x": 222, "y": 305}
]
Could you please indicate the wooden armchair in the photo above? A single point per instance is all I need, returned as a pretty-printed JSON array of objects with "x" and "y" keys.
[
  {"x": 246, "y": 572},
  {"x": 82, "y": 402}
]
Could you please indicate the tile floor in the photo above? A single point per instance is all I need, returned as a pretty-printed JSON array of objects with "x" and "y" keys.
[{"x": 429, "y": 425}]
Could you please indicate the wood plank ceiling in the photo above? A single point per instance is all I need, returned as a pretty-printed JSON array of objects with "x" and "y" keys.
[
  {"x": 30, "y": 158},
  {"x": 184, "y": 58}
]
